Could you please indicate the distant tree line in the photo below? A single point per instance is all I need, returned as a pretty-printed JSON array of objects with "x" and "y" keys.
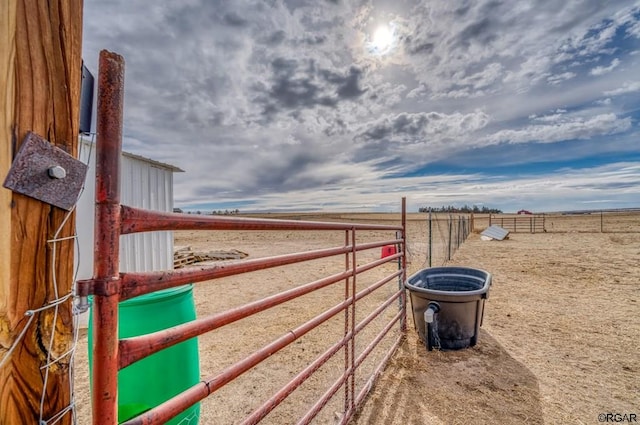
[
  {"x": 219, "y": 212},
  {"x": 466, "y": 209}
]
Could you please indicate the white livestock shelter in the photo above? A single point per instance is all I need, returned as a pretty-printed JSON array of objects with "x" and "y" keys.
[{"x": 145, "y": 183}]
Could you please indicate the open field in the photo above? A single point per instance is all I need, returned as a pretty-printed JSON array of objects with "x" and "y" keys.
[{"x": 560, "y": 342}]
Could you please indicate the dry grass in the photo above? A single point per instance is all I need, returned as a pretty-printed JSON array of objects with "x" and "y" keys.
[{"x": 560, "y": 340}]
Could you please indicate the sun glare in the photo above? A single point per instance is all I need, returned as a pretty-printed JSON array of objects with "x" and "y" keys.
[{"x": 382, "y": 40}]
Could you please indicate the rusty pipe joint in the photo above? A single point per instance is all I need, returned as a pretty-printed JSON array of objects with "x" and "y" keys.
[{"x": 102, "y": 287}]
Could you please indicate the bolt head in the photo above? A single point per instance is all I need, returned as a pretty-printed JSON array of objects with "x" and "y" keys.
[{"x": 57, "y": 172}]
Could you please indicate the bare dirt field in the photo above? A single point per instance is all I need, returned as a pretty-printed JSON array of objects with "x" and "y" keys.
[{"x": 560, "y": 341}]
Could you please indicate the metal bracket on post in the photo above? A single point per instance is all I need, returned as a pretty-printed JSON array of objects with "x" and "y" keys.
[
  {"x": 45, "y": 172},
  {"x": 102, "y": 287}
]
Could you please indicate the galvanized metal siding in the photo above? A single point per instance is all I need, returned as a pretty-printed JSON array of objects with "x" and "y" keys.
[{"x": 144, "y": 184}]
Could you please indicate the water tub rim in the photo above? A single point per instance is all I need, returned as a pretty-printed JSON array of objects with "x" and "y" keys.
[{"x": 449, "y": 271}]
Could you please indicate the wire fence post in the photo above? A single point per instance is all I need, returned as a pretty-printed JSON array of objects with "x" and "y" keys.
[
  {"x": 466, "y": 228},
  {"x": 449, "y": 242},
  {"x": 430, "y": 254}
]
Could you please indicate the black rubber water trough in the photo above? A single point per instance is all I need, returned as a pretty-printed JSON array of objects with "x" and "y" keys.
[{"x": 448, "y": 305}]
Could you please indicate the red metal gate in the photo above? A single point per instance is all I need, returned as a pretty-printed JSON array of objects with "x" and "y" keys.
[{"x": 109, "y": 287}]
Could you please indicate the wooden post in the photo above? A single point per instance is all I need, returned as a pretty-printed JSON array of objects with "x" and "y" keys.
[
  {"x": 40, "y": 70},
  {"x": 7, "y": 90}
]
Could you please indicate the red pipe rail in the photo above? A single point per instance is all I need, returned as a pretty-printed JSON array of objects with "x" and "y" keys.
[
  {"x": 109, "y": 287},
  {"x": 107, "y": 242}
]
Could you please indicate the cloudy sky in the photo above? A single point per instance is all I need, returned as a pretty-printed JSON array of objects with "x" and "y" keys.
[{"x": 352, "y": 104}]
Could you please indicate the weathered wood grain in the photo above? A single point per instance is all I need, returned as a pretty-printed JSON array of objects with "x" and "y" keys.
[{"x": 41, "y": 64}]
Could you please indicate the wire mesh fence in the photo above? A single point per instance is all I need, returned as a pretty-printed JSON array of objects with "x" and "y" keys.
[{"x": 432, "y": 239}]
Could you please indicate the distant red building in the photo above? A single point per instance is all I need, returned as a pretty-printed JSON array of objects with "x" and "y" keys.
[{"x": 525, "y": 212}]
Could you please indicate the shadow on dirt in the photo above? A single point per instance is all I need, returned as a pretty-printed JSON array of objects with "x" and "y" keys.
[{"x": 479, "y": 385}]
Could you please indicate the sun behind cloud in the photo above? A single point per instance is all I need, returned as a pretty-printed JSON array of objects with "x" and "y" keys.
[{"x": 383, "y": 40}]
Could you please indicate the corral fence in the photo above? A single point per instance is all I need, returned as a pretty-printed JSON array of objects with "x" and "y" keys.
[
  {"x": 596, "y": 221},
  {"x": 519, "y": 223},
  {"x": 602, "y": 221},
  {"x": 448, "y": 234},
  {"x": 109, "y": 287}
]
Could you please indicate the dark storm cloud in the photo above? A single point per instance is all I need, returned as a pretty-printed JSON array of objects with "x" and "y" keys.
[
  {"x": 482, "y": 32},
  {"x": 289, "y": 169},
  {"x": 283, "y": 66},
  {"x": 234, "y": 20},
  {"x": 382, "y": 139},
  {"x": 337, "y": 127},
  {"x": 286, "y": 172},
  {"x": 276, "y": 38},
  {"x": 279, "y": 37},
  {"x": 577, "y": 14},
  {"x": 299, "y": 85},
  {"x": 461, "y": 11},
  {"x": 348, "y": 85},
  {"x": 404, "y": 137},
  {"x": 192, "y": 18},
  {"x": 291, "y": 89},
  {"x": 374, "y": 150},
  {"x": 314, "y": 39},
  {"x": 298, "y": 92},
  {"x": 419, "y": 47},
  {"x": 401, "y": 125}
]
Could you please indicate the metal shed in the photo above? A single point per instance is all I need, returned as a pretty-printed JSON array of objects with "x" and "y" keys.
[{"x": 146, "y": 184}]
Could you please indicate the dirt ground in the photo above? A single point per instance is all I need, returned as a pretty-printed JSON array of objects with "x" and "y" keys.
[{"x": 560, "y": 341}]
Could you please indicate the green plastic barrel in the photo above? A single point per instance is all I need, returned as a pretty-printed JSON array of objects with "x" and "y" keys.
[{"x": 151, "y": 381}]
